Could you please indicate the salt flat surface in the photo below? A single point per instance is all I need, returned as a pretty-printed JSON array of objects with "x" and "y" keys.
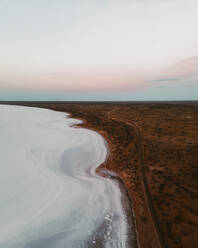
[{"x": 50, "y": 195}]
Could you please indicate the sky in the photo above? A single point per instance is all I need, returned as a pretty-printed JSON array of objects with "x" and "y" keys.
[{"x": 98, "y": 50}]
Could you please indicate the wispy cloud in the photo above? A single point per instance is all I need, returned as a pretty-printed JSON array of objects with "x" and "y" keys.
[{"x": 163, "y": 80}]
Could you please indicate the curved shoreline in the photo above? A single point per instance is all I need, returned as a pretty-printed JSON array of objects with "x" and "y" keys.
[
  {"x": 86, "y": 148},
  {"x": 103, "y": 171},
  {"x": 141, "y": 236}
]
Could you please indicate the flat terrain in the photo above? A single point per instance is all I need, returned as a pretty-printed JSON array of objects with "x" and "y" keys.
[{"x": 154, "y": 150}]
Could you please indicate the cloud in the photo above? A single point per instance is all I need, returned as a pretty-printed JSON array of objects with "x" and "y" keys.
[
  {"x": 163, "y": 80},
  {"x": 184, "y": 71}
]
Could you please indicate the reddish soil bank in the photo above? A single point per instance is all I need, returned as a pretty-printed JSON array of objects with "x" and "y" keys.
[{"x": 154, "y": 149}]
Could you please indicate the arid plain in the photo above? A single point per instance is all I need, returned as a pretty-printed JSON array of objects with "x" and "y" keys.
[{"x": 154, "y": 150}]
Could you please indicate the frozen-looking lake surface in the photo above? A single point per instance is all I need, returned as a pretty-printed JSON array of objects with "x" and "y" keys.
[{"x": 50, "y": 195}]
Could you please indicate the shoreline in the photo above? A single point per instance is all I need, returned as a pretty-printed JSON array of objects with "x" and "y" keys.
[
  {"x": 114, "y": 228},
  {"x": 103, "y": 171},
  {"x": 107, "y": 165}
]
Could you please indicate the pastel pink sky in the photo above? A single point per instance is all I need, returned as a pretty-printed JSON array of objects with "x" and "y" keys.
[{"x": 97, "y": 46}]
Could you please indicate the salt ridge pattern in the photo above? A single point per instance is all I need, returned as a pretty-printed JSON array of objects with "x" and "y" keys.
[{"x": 50, "y": 194}]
